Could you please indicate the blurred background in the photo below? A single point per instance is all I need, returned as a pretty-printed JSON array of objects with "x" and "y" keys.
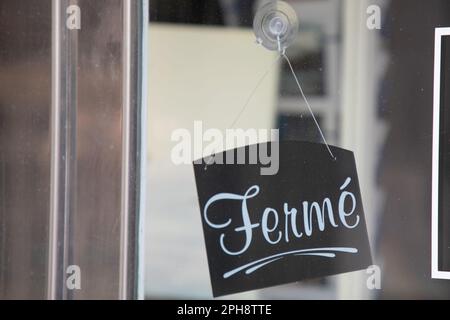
[{"x": 371, "y": 90}]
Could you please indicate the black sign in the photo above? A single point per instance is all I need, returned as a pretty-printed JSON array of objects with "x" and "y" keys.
[
  {"x": 441, "y": 157},
  {"x": 305, "y": 221}
]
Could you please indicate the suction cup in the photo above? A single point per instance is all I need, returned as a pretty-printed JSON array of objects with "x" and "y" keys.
[{"x": 276, "y": 25}]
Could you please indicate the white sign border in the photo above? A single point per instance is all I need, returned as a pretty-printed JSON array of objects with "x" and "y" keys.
[{"x": 435, "y": 272}]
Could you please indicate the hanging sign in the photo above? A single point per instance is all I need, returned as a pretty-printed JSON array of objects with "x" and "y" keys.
[
  {"x": 305, "y": 221},
  {"x": 441, "y": 157}
]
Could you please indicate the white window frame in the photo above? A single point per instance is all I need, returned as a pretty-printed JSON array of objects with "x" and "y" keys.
[{"x": 435, "y": 272}]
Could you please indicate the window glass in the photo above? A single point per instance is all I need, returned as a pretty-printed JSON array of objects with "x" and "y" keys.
[{"x": 367, "y": 70}]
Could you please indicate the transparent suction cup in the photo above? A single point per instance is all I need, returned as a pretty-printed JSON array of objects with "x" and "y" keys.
[{"x": 275, "y": 20}]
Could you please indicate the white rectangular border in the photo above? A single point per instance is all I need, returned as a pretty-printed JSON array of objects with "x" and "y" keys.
[{"x": 435, "y": 272}]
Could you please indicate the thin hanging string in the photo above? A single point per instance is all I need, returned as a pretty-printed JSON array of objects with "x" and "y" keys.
[
  {"x": 249, "y": 98},
  {"x": 252, "y": 93},
  {"x": 283, "y": 54}
]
